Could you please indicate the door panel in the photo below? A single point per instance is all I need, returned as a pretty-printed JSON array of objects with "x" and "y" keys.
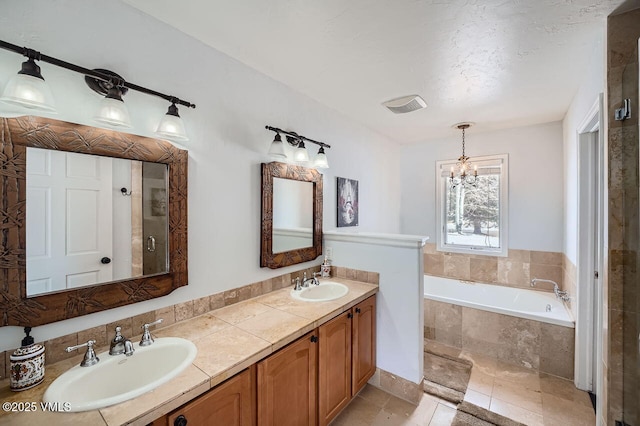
[
  {"x": 69, "y": 222},
  {"x": 287, "y": 383},
  {"x": 334, "y": 367},
  {"x": 364, "y": 343}
]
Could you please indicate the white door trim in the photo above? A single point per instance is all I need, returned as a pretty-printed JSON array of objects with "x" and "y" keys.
[{"x": 589, "y": 297}]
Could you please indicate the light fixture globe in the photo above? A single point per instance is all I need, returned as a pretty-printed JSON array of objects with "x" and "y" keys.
[
  {"x": 301, "y": 155},
  {"x": 276, "y": 150},
  {"x": 171, "y": 126},
  {"x": 321, "y": 161},
  {"x": 113, "y": 111},
  {"x": 29, "y": 90}
]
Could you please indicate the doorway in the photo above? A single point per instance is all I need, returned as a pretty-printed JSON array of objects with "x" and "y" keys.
[{"x": 590, "y": 242}]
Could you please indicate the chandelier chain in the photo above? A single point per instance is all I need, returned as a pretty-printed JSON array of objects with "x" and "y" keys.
[{"x": 463, "y": 142}]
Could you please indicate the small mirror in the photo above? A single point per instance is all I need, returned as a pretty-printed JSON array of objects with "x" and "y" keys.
[{"x": 291, "y": 215}]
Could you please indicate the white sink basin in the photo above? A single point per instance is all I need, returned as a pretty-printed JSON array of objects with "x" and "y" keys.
[
  {"x": 119, "y": 378},
  {"x": 321, "y": 293}
]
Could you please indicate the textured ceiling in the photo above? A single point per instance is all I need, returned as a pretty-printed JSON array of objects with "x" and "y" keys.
[{"x": 496, "y": 63}]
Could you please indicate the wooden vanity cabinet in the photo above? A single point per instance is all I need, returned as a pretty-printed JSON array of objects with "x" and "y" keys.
[
  {"x": 347, "y": 358},
  {"x": 231, "y": 403},
  {"x": 334, "y": 367},
  {"x": 364, "y": 343},
  {"x": 307, "y": 382},
  {"x": 287, "y": 384}
]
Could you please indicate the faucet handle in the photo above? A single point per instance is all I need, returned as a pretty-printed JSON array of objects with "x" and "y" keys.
[
  {"x": 90, "y": 357},
  {"x": 147, "y": 338}
]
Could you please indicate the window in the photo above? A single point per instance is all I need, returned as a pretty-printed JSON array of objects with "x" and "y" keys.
[{"x": 473, "y": 218}]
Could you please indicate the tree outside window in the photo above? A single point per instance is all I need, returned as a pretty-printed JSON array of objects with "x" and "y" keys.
[{"x": 472, "y": 218}]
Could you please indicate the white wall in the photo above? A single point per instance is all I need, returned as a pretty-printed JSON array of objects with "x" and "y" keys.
[
  {"x": 228, "y": 139},
  {"x": 399, "y": 303},
  {"x": 535, "y": 182},
  {"x": 592, "y": 85}
]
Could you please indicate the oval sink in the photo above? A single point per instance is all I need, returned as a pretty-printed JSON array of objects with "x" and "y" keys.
[
  {"x": 119, "y": 378},
  {"x": 321, "y": 293}
]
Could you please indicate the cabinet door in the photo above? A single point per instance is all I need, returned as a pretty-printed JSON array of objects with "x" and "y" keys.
[
  {"x": 287, "y": 385},
  {"x": 334, "y": 367},
  {"x": 230, "y": 403},
  {"x": 364, "y": 343}
]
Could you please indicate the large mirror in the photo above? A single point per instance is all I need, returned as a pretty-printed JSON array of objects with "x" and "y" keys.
[
  {"x": 90, "y": 219},
  {"x": 291, "y": 215}
]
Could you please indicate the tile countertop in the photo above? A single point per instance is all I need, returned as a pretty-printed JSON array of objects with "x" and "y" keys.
[{"x": 228, "y": 339}]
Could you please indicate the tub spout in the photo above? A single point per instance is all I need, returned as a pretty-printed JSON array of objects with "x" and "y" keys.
[{"x": 560, "y": 294}]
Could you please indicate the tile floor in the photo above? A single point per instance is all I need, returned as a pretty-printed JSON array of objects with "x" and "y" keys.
[
  {"x": 373, "y": 406},
  {"x": 532, "y": 398}
]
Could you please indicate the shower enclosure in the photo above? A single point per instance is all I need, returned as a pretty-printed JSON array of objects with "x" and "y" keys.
[{"x": 624, "y": 309}]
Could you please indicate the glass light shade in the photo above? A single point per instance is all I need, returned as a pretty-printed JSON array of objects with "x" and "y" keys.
[
  {"x": 276, "y": 150},
  {"x": 30, "y": 92},
  {"x": 172, "y": 127},
  {"x": 301, "y": 155},
  {"x": 113, "y": 112},
  {"x": 321, "y": 161}
]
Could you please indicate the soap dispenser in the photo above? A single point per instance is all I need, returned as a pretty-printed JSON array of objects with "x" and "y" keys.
[
  {"x": 27, "y": 364},
  {"x": 325, "y": 268}
]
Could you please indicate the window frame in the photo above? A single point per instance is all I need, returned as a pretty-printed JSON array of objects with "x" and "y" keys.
[{"x": 442, "y": 178}]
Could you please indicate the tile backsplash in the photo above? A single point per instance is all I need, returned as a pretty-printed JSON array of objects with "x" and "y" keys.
[{"x": 131, "y": 326}]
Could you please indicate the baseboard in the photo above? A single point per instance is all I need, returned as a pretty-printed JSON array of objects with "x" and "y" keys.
[{"x": 397, "y": 386}]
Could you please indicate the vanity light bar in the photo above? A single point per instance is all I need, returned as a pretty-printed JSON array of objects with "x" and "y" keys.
[
  {"x": 110, "y": 79},
  {"x": 294, "y": 139}
]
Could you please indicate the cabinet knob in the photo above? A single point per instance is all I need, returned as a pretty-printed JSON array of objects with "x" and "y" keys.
[
  {"x": 314, "y": 339},
  {"x": 349, "y": 315},
  {"x": 105, "y": 260},
  {"x": 358, "y": 310},
  {"x": 181, "y": 420}
]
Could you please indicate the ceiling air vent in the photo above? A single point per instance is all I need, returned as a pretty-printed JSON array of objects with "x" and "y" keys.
[{"x": 405, "y": 104}]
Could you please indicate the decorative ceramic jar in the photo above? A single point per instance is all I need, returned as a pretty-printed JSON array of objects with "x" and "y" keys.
[{"x": 27, "y": 365}]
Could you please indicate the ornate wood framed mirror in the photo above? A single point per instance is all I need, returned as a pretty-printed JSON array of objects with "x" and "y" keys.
[
  {"x": 22, "y": 307},
  {"x": 291, "y": 215}
]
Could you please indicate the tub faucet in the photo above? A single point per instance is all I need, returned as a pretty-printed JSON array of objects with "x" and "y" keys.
[
  {"x": 560, "y": 294},
  {"x": 120, "y": 344}
]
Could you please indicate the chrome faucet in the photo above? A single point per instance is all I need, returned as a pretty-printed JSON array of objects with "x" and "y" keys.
[
  {"x": 560, "y": 294},
  {"x": 120, "y": 344},
  {"x": 147, "y": 339},
  {"x": 90, "y": 357},
  {"x": 297, "y": 284}
]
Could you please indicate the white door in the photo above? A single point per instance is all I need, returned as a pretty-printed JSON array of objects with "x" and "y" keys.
[{"x": 69, "y": 220}]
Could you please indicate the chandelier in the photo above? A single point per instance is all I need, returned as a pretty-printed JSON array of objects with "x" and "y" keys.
[{"x": 461, "y": 173}]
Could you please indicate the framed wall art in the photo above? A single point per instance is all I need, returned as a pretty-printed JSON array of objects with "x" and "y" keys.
[{"x": 347, "y": 202}]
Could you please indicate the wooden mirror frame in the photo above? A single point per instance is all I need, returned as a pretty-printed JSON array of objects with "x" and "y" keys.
[
  {"x": 287, "y": 171},
  {"x": 19, "y": 133}
]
